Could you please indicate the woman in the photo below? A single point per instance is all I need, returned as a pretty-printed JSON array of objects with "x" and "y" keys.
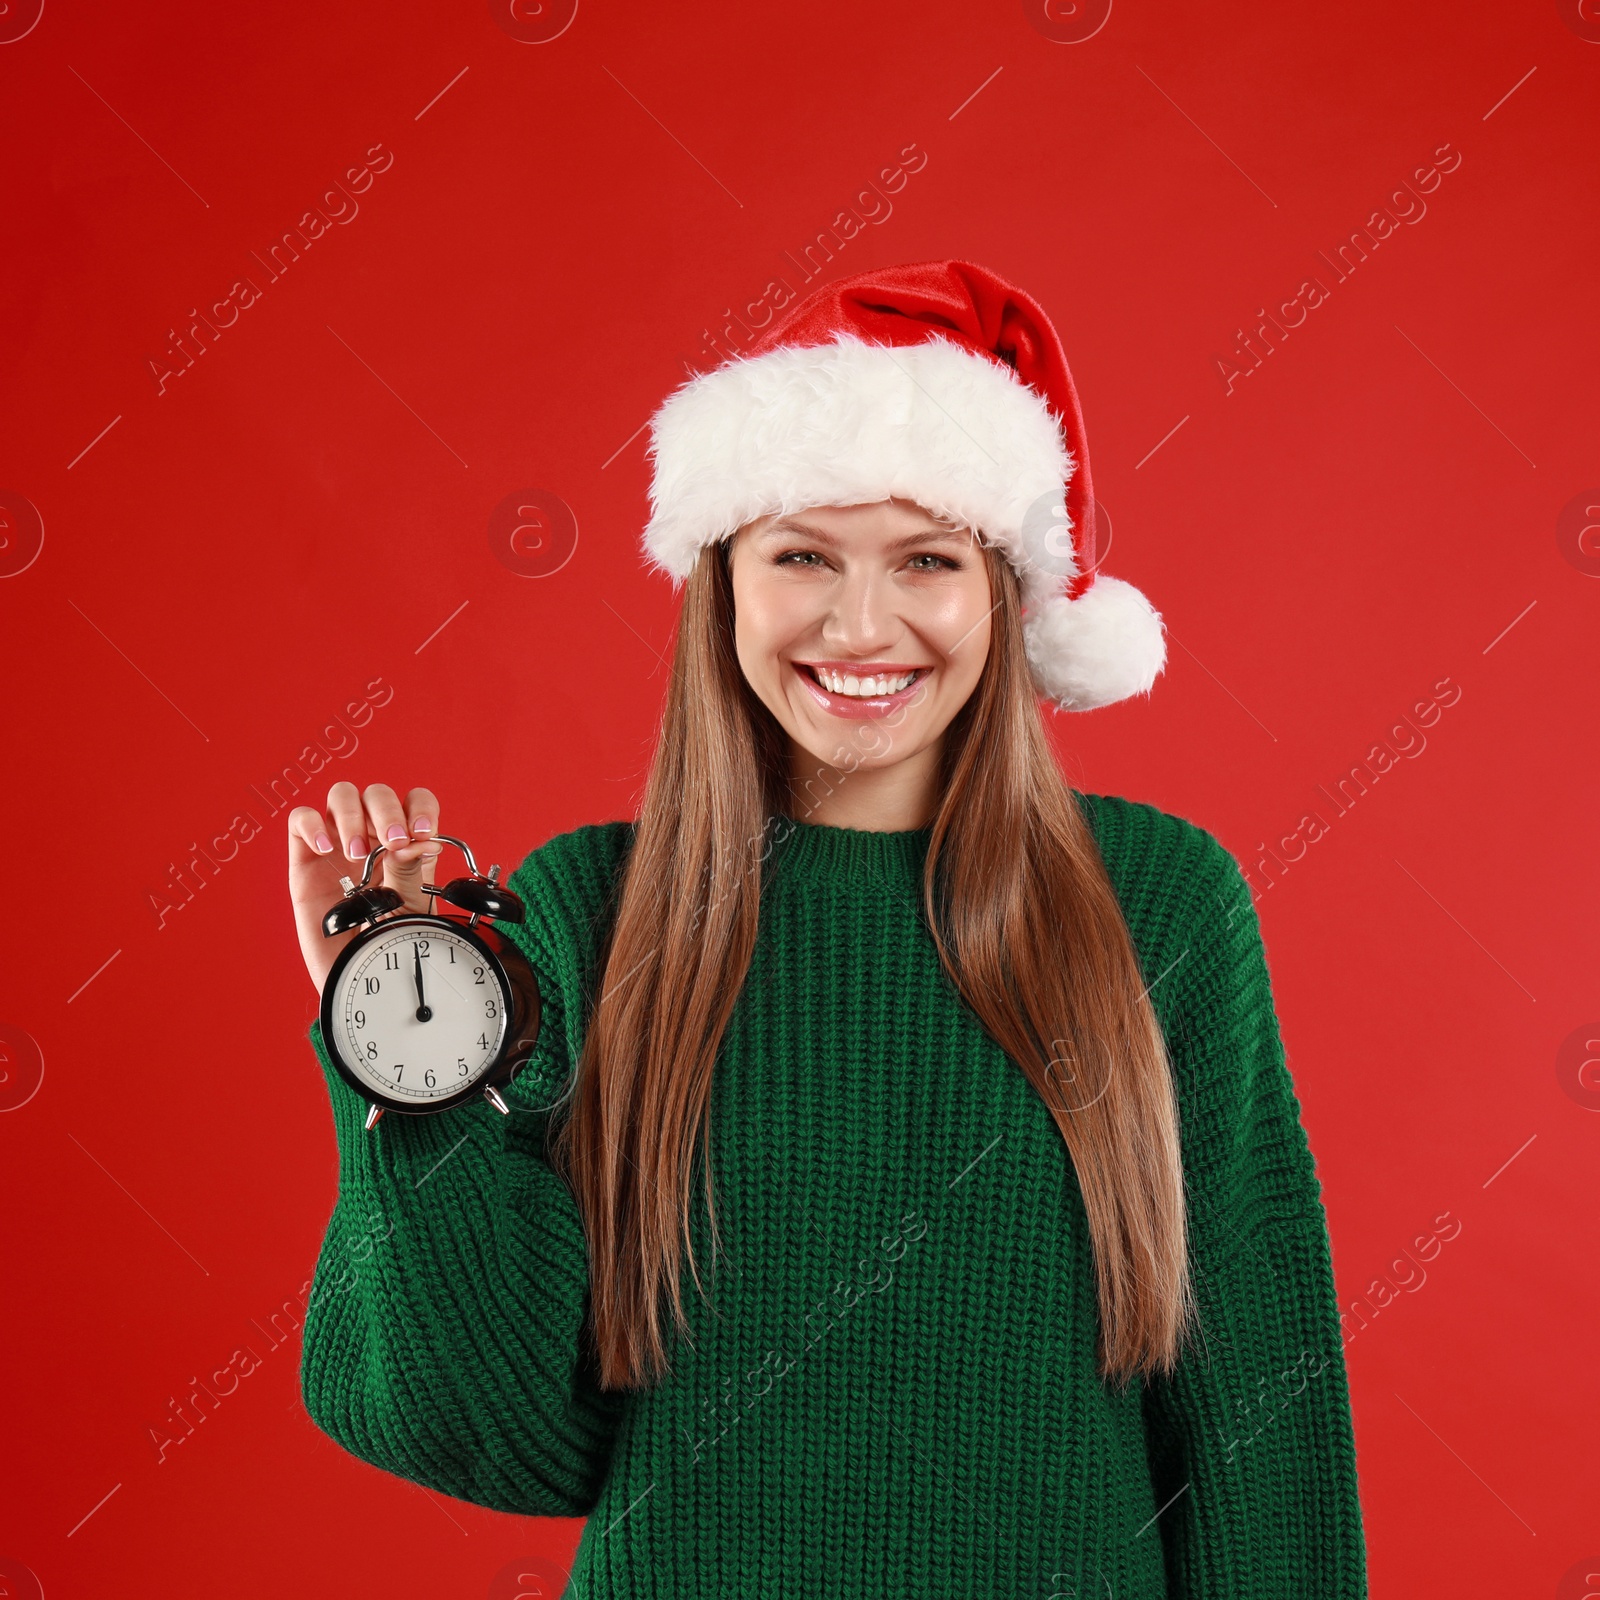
[{"x": 959, "y": 1093}]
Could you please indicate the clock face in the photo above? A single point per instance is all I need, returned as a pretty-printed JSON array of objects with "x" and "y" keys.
[{"x": 418, "y": 1012}]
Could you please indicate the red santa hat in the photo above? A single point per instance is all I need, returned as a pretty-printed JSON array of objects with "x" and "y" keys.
[{"x": 937, "y": 383}]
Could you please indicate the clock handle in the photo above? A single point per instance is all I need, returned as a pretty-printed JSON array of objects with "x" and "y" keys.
[{"x": 443, "y": 838}]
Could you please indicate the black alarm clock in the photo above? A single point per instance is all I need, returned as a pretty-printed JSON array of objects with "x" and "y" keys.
[{"x": 425, "y": 1010}]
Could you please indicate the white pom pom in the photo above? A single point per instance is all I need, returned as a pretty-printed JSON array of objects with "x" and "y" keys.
[{"x": 1103, "y": 647}]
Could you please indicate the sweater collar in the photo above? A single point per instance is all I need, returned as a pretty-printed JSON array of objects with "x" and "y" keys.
[{"x": 816, "y": 851}]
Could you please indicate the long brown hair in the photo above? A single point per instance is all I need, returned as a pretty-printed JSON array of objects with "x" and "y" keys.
[{"x": 1026, "y": 923}]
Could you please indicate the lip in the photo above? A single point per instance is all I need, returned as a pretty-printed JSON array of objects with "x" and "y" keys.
[{"x": 855, "y": 706}]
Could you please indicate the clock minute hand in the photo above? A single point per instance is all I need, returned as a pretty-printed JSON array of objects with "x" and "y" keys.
[{"x": 424, "y": 1011}]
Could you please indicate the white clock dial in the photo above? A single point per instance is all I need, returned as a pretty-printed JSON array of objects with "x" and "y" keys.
[{"x": 420, "y": 1012}]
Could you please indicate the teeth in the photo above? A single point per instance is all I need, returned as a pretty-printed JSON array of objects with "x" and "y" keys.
[{"x": 863, "y": 688}]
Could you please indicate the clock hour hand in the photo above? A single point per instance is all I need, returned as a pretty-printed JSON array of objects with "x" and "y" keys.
[{"x": 424, "y": 1011}]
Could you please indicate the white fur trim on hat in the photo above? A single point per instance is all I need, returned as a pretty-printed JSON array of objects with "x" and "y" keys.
[
  {"x": 956, "y": 432},
  {"x": 852, "y": 423}
]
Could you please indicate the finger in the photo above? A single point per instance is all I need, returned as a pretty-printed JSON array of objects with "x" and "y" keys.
[
  {"x": 422, "y": 818},
  {"x": 309, "y": 834},
  {"x": 422, "y": 812},
  {"x": 344, "y": 806},
  {"x": 388, "y": 817},
  {"x": 403, "y": 865}
]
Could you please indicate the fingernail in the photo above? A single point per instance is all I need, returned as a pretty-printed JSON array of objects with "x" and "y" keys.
[
  {"x": 323, "y": 844},
  {"x": 422, "y": 824},
  {"x": 396, "y": 832},
  {"x": 356, "y": 848}
]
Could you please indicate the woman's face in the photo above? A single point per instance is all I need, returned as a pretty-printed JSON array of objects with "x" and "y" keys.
[{"x": 837, "y": 607}]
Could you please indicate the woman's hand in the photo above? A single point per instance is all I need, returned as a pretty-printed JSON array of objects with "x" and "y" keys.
[{"x": 324, "y": 848}]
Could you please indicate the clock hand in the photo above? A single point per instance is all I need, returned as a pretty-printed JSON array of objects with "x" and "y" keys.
[{"x": 424, "y": 1011}]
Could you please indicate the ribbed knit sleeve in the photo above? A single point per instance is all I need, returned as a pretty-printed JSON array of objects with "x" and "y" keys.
[
  {"x": 443, "y": 1336},
  {"x": 1251, "y": 1440}
]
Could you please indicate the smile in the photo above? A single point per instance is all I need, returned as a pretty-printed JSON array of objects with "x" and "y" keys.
[{"x": 860, "y": 694}]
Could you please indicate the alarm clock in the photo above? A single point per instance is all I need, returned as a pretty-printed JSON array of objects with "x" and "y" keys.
[{"x": 426, "y": 1010}]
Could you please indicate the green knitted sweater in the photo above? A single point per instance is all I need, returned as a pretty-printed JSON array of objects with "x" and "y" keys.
[{"x": 893, "y": 1390}]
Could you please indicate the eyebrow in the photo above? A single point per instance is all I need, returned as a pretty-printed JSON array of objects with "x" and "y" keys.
[{"x": 905, "y": 542}]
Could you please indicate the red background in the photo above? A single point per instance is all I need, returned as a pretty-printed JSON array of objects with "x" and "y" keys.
[{"x": 1374, "y": 510}]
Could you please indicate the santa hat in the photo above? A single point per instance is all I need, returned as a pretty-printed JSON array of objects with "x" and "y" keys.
[{"x": 937, "y": 383}]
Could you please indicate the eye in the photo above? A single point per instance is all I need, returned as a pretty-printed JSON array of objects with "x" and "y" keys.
[{"x": 810, "y": 558}]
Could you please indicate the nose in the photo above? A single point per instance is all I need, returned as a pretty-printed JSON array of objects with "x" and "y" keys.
[{"x": 863, "y": 617}]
